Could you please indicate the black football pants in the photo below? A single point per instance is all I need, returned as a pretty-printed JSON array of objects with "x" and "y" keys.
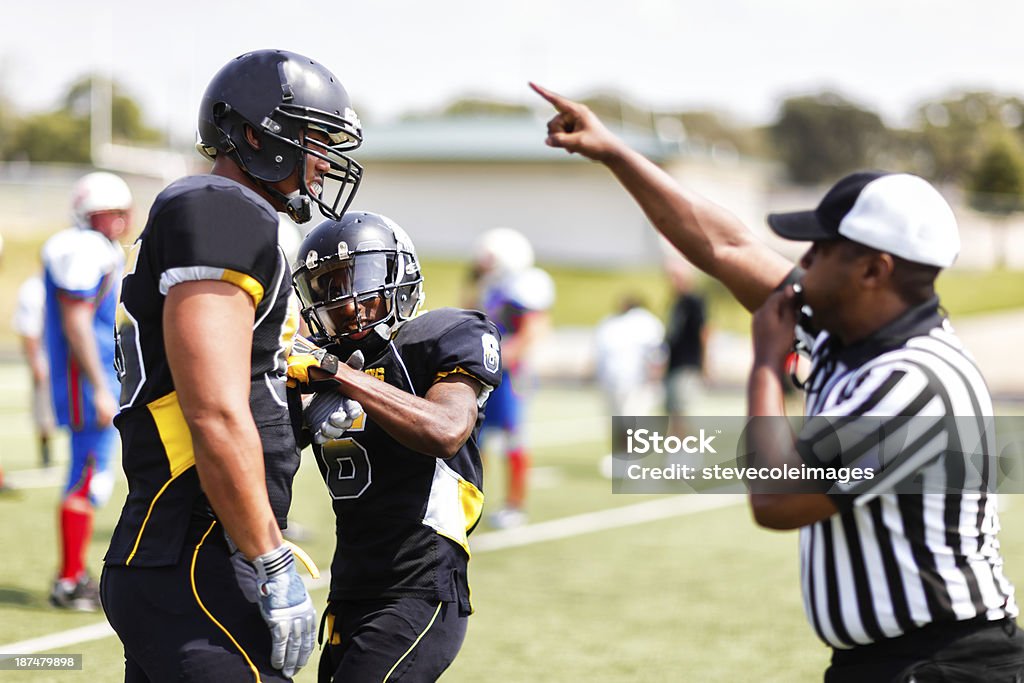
[
  {"x": 968, "y": 652},
  {"x": 400, "y": 639}
]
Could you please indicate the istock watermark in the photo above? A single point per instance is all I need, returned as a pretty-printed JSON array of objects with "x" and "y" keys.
[
  {"x": 641, "y": 441},
  {"x": 844, "y": 455}
]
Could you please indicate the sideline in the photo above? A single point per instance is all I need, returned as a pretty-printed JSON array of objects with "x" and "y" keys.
[{"x": 553, "y": 530}]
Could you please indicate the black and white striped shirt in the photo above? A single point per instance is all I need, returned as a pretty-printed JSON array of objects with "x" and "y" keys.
[{"x": 889, "y": 562}]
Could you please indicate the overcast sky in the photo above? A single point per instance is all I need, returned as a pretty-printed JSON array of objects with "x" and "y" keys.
[{"x": 740, "y": 56}]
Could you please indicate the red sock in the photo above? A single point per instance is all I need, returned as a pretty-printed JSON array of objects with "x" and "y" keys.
[
  {"x": 518, "y": 468},
  {"x": 76, "y": 528}
]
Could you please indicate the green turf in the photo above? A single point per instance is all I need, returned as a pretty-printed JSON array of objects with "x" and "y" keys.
[{"x": 701, "y": 597}]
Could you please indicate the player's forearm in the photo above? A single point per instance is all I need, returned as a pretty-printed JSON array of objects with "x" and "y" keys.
[
  {"x": 32, "y": 349},
  {"x": 434, "y": 428},
  {"x": 77, "y": 318},
  {"x": 229, "y": 462},
  {"x": 708, "y": 235}
]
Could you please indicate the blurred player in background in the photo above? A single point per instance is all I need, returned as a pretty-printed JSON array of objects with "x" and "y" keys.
[
  {"x": 405, "y": 477},
  {"x": 82, "y": 272},
  {"x": 630, "y": 356},
  {"x": 687, "y": 340},
  {"x": 28, "y": 320},
  {"x": 517, "y": 297},
  {"x": 198, "y": 582}
]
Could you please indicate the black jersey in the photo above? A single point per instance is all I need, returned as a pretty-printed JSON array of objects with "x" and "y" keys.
[
  {"x": 200, "y": 228},
  {"x": 403, "y": 517}
]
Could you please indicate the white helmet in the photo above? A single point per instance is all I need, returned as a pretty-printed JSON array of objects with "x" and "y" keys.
[
  {"x": 503, "y": 250},
  {"x": 97, "y": 192}
]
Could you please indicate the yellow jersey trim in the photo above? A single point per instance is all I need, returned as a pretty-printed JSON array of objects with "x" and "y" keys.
[
  {"x": 177, "y": 442},
  {"x": 174, "y": 433},
  {"x": 251, "y": 286},
  {"x": 459, "y": 370}
]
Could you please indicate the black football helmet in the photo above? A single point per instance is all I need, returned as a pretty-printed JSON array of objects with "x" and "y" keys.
[
  {"x": 280, "y": 95},
  {"x": 358, "y": 280}
]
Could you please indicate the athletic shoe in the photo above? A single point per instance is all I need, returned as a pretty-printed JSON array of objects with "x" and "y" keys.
[
  {"x": 83, "y": 595},
  {"x": 507, "y": 518}
]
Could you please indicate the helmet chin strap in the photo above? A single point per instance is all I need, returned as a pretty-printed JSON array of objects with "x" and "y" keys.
[
  {"x": 297, "y": 205},
  {"x": 299, "y": 208}
]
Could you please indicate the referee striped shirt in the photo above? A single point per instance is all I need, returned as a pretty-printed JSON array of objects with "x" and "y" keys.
[{"x": 889, "y": 563}]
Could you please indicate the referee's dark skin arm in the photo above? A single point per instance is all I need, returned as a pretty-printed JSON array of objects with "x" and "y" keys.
[
  {"x": 772, "y": 439},
  {"x": 718, "y": 243},
  {"x": 708, "y": 235}
]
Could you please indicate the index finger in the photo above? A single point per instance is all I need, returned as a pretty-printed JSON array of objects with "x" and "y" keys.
[{"x": 560, "y": 103}]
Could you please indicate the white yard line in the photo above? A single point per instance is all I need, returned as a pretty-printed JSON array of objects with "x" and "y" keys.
[
  {"x": 589, "y": 522},
  {"x": 56, "y": 641},
  {"x": 553, "y": 530}
]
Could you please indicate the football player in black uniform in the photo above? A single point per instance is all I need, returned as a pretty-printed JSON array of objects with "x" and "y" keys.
[
  {"x": 198, "y": 582},
  {"x": 405, "y": 477}
]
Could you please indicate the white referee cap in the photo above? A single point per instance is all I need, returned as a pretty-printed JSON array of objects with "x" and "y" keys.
[{"x": 898, "y": 213}]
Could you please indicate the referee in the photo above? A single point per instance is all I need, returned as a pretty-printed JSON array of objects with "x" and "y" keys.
[{"x": 903, "y": 587}]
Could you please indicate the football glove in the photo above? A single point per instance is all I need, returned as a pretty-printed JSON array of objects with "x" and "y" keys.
[
  {"x": 304, "y": 355},
  {"x": 287, "y": 609},
  {"x": 330, "y": 414}
]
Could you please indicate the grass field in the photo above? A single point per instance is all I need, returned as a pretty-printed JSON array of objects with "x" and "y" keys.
[{"x": 692, "y": 596}]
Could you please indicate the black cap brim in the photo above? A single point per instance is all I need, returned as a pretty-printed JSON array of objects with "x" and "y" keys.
[{"x": 801, "y": 226}]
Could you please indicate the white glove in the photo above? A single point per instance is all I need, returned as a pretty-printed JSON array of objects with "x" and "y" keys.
[
  {"x": 287, "y": 609},
  {"x": 330, "y": 414}
]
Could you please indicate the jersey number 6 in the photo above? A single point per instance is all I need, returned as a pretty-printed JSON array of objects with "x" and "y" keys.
[{"x": 345, "y": 467}]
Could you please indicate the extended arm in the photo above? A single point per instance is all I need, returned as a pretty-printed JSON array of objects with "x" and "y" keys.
[
  {"x": 437, "y": 424},
  {"x": 76, "y": 316},
  {"x": 708, "y": 235},
  {"x": 212, "y": 382}
]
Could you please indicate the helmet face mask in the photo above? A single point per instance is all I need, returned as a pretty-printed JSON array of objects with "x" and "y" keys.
[
  {"x": 352, "y": 294},
  {"x": 276, "y": 98},
  {"x": 358, "y": 279}
]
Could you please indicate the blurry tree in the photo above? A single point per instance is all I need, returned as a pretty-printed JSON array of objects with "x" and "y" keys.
[
  {"x": 996, "y": 186},
  {"x": 713, "y": 130},
  {"x": 126, "y": 118},
  {"x": 478, "y": 106},
  {"x": 51, "y": 136},
  {"x": 615, "y": 109},
  {"x": 820, "y": 137},
  {"x": 469, "y": 106},
  {"x": 8, "y": 117},
  {"x": 954, "y": 131},
  {"x": 63, "y": 134}
]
